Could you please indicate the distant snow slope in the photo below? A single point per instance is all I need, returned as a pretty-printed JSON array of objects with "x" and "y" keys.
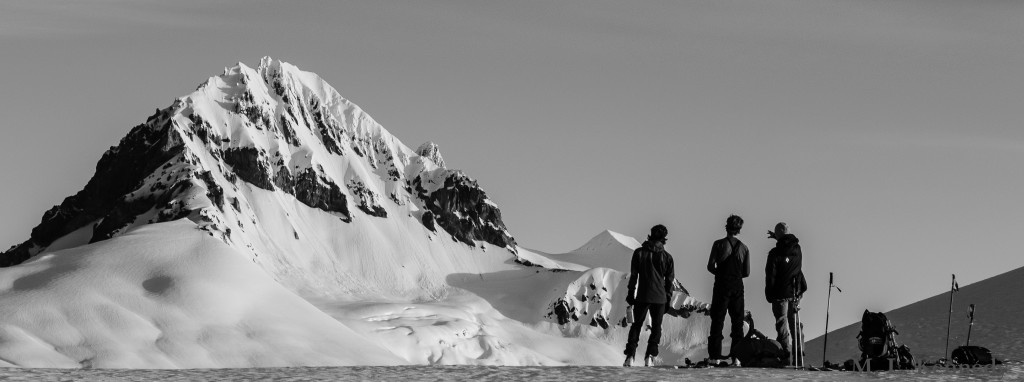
[
  {"x": 998, "y": 323},
  {"x": 606, "y": 250},
  {"x": 165, "y": 296}
]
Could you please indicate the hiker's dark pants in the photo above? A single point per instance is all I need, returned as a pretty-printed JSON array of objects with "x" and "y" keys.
[
  {"x": 727, "y": 296},
  {"x": 640, "y": 310},
  {"x": 785, "y": 320}
]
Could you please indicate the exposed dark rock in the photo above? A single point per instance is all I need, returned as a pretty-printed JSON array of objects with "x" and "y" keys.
[
  {"x": 122, "y": 215},
  {"x": 563, "y": 311},
  {"x": 213, "y": 191},
  {"x": 250, "y": 165},
  {"x": 313, "y": 190},
  {"x": 366, "y": 200},
  {"x": 120, "y": 171},
  {"x": 599, "y": 320},
  {"x": 428, "y": 220},
  {"x": 330, "y": 134},
  {"x": 461, "y": 208}
]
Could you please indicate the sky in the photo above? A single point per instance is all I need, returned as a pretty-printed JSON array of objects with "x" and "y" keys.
[{"x": 888, "y": 134}]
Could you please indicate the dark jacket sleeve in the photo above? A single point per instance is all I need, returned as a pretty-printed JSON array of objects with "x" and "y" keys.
[
  {"x": 670, "y": 275},
  {"x": 802, "y": 287},
  {"x": 634, "y": 268},
  {"x": 769, "y": 276},
  {"x": 746, "y": 261},
  {"x": 713, "y": 258}
]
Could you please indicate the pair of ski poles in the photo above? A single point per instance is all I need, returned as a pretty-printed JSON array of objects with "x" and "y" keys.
[{"x": 796, "y": 358}]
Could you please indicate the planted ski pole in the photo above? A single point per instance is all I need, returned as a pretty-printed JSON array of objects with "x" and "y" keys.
[
  {"x": 953, "y": 287},
  {"x": 970, "y": 313},
  {"x": 798, "y": 345},
  {"x": 828, "y": 305}
]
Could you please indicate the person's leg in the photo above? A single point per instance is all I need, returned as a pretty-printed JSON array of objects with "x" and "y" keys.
[
  {"x": 781, "y": 311},
  {"x": 794, "y": 327},
  {"x": 657, "y": 313},
  {"x": 736, "y": 316},
  {"x": 717, "y": 313},
  {"x": 639, "y": 316}
]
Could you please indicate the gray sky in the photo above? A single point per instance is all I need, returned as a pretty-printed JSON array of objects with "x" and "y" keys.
[{"x": 887, "y": 133}]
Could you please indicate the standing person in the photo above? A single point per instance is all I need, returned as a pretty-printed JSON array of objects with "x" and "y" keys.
[
  {"x": 784, "y": 282},
  {"x": 651, "y": 273},
  {"x": 730, "y": 263}
]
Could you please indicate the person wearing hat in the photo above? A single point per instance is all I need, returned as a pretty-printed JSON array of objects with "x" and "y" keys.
[
  {"x": 784, "y": 283},
  {"x": 651, "y": 273},
  {"x": 730, "y": 263}
]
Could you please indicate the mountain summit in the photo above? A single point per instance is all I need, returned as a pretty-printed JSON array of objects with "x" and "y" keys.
[{"x": 262, "y": 158}]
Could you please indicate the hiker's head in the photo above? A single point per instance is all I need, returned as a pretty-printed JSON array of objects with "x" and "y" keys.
[
  {"x": 733, "y": 224},
  {"x": 781, "y": 230},
  {"x": 658, "y": 234}
]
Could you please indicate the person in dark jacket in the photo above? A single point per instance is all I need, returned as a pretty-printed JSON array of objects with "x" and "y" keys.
[
  {"x": 730, "y": 263},
  {"x": 784, "y": 282},
  {"x": 651, "y": 273}
]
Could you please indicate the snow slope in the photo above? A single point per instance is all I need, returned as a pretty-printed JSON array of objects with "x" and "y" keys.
[
  {"x": 165, "y": 296},
  {"x": 999, "y": 304}
]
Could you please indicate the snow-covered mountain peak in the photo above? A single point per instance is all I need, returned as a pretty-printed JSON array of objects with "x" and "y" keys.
[
  {"x": 608, "y": 241},
  {"x": 259, "y": 158}
]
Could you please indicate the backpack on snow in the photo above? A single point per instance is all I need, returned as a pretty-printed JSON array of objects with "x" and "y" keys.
[
  {"x": 877, "y": 342},
  {"x": 874, "y": 333},
  {"x": 971, "y": 355}
]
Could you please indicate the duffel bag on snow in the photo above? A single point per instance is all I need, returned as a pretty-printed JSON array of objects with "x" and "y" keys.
[{"x": 971, "y": 355}]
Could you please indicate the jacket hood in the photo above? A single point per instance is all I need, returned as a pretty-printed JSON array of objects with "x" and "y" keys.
[{"x": 655, "y": 246}]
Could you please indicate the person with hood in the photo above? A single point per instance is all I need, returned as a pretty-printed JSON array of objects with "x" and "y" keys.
[
  {"x": 730, "y": 263},
  {"x": 784, "y": 282},
  {"x": 651, "y": 273}
]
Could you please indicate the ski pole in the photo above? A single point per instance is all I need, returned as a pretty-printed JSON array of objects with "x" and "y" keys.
[
  {"x": 795, "y": 335},
  {"x": 828, "y": 305},
  {"x": 800, "y": 332},
  {"x": 949, "y": 319},
  {"x": 970, "y": 313}
]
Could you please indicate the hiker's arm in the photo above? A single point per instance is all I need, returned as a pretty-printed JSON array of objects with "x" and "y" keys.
[
  {"x": 800, "y": 270},
  {"x": 712, "y": 259},
  {"x": 769, "y": 277},
  {"x": 670, "y": 276},
  {"x": 746, "y": 262},
  {"x": 634, "y": 267}
]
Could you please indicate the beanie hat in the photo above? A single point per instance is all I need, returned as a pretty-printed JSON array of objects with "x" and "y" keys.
[{"x": 658, "y": 233}]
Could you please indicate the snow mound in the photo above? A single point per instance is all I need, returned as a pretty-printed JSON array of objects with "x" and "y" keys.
[{"x": 165, "y": 296}]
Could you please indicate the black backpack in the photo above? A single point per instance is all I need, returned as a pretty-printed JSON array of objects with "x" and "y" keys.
[
  {"x": 971, "y": 355},
  {"x": 877, "y": 341},
  {"x": 874, "y": 333}
]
